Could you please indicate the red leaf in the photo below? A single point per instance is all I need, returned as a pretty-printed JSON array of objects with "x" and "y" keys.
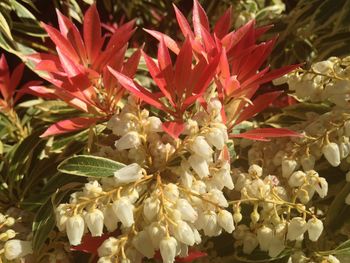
[
  {"x": 92, "y": 33},
  {"x": 192, "y": 255},
  {"x": 184, "y": 25},
  {"x": 259, "y": 104},
  {"x": 166, "y": 66},
  {"x": 169, "y": 42},
  {"x": 200, "y": 19},
  {"x": 16, "y": 77},
  {"x": 39, "y": 91},
  {"x": 183, "y": 67},
  {"x": 61, "y": 42},
  {"x": 137, "y": 90},
  {"x": 4, "y": 78},
  {"x": 261, "y": 134},
  {"x": 173, "y": 128},
  {"x": 278, "y": 73},
  {"x": 70, "y": 125},
  {"x": 222, "y": 26}
]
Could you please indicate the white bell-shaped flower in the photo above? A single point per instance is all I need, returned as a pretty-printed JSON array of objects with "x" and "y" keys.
[
  {"x": 201, "y": 147},
  {"x": 75, "y": 229},
  {"x": 250, "y": 242},
  {"x": 288, "y": 167},
  {"x": 171, "y": 192},
  {"x": 94, "y": 221},
  {"x": 110, "y": 218},
  {"x": 128, "y": 141},
  {"x": 184, "y": 233},
  {"x": 218, "y": 197},
  {"x": 155, "y": 124},
  {"x": 321, "y": 187},
  {"x": 128, "y": 174},
  {"x": 314, "y": 228},
  {"x": 276, "y": 247},
  {"x": 199, "y": 165},
  {"x": 186, "y": 210},
  {"x": 331, "y": 153},
  {"x": 225, "y": 220},
  {"x": 255, "y": 170},
  {"x": 108, "y": 247},
  {"x": 216, "y": 138},
  {"x": 297, "y": 179},
  {"x": 15, "y": 249},
  {"x": 151, "y": 208},
  {"x": 124, "y": 210},
  {"x": 296, "y": 228},
  {"x": 167, "y": 249},
  {"x": 223, "y": 177},
  {"x": 265, "y": 236},
  {"x": 307, "y": 162},
  {"x": 209, "y": 224},
  {"x": 156, "y": 233},
  {"x": 143, "y": 243}
]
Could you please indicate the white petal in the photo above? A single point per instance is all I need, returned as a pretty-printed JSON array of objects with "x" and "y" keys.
[
  {"x": 168, "y": 249},
  {"x": 94, "y": 221},
  {"x": 124, "y": 210},
  {"x": 75, "y": 229},
  {"x": 15, "y": 249},
  {"x": 199, "y": 165},
  {"x": 128, "y": 174}
]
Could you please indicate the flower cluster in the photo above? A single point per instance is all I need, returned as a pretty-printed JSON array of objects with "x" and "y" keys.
[
  {"x": 272, "y": 226},
  {"x": 158, "y": 197}
]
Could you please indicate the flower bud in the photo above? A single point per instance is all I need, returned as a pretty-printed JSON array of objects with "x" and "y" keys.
[
  {"x": 168, "y": 249},
  {"x": 216, "y": 138},
  {"x": 94, "y": 221},
  {"x": 155, "y": 124},
  {"x": 255, "y": 170},
  {"x": 124, "y": 210},
  {"x": 110, "y": 218},
  {"x": 75, "y": 229},
  {"x": 128, "y": 174},
  {"x": 331, "y": 153},
  {"x": 225, "y": 220},
  {"x": 237, "y": 217},
  {"x": 184, "y": 233},
  {"x": 15, "y": 249},
  {"x": 314, "y": 228}
]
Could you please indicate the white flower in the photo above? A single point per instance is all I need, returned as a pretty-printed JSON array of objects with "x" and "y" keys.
[
  {"x": 94, "y": 221},
  {"x": 331, "y": 153},
  {"x": 171, "y": 192},
  {"x": 314, "y": 228},
  {"x": 156, "y": 233},
  {"x": 216, "y": 138},
  {"x": 110, "y": 218},
  {"x": 201, "y": 147},
  {"x": 143, "y": 244},
  {"x": 297, "y": 179},
  {"x": 208, "y": 222},
  {"x": 168, "y": 249},
  {"x": 186, "y": 210},
  {"x": 223, "y": 177},
  {"x": 128, "y": 174},
  {"x": 218, "y": 197},
  {"x": 323, "y": 67},
  {"x": 75, "y": 229},
  {"x": 128, "y": 141},
  {"x": 151, "y": 208},
  {"x": 296, "y": 228},
  {"x": 225, "y": 220},
  {"x": 321, "y": 187},
  {"x": 155, "y": 124},
  {"x": 250, "y": 242},
  {"x": 265, "y": 236},
  {"x": 15, "y": 249},
  {"x": 199, "y": 165},
  {"x": 109, "y": 247},
  {"x": 183, "y": 233},
  {"x": 124, "y": 210},
  {"x": 288, "y": 167},
  {"x": 255, "y": 170},
  {"x": 308, "y": 162},
  {"x": 92, "y": 188},
  {"x": 276, "y": 247}
]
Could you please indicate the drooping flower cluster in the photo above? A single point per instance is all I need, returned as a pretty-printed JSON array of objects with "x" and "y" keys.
[{"x": 159, "y": 196}]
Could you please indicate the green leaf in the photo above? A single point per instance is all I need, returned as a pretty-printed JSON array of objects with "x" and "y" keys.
[
  {"x": 5, "y": 27},
  {"x": 22, "y": 12},
  {"x": 90, "y": 166}
]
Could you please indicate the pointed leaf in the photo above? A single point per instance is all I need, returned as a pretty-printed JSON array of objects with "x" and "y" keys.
[
  {"x": 265, "y": 133},
  {"x": 223, "y": 25},
  {"x": 70, "y": 125},
  {"x": 183, "y": 24},
  {"x": 89, "y": 166},
  {"x": 200, "y": 19},
  {"x": 169, "y": 42}
]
